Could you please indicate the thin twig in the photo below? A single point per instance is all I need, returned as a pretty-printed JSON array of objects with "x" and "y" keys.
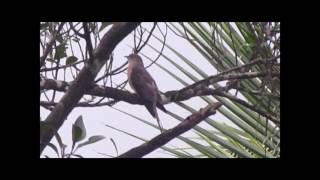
[
  {"x": 140, "y": 39},
  {"x": 164, "y": 42},
  {"x": 114, "y": 72},
  {"x": 60, "y": 67},
  {"x": 139, "y": 48},
  {"x": 184, "y": 29},
  {"x": 77, "y": 31},
  {"x": 88, "y": 41},
  {"x": 80, "y": 104}
]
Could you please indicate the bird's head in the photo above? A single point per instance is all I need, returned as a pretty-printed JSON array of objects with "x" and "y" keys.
[{"x": 134, "y": 59}]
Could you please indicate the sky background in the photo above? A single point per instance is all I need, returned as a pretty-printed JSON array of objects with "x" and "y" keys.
[{"x": 95, "y": 118}]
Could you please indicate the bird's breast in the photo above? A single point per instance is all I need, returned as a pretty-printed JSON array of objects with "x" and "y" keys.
[{"x": 129, "y": 77}]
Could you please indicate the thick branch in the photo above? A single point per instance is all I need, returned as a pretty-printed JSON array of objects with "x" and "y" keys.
[
  {"x": 170, "y": 134},
  {"x": 85, "y": 78}
]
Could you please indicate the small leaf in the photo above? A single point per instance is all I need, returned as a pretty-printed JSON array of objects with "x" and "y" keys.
[
  {"x": 60, "y": 51},
  {"x": 54, "y": 148},
  {"x": 59, "y": 38},
  {"x": 78, "y": 130},
  {"x": 104, "y": 25},
  {"x": 71, "y": 60},
  {"x": 91, "y": 140}
]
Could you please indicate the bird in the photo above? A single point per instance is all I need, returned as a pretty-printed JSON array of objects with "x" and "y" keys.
[{"x": 144, "y": 86}]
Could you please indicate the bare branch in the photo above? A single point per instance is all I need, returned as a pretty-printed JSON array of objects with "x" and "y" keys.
[
  {"x": 60, "y": 67},
  {"x": 164, "y": 42},
  {"x": 88, "y": 41},
  {"x": 139, "y": 48},
  {"x": 114, "y": 72},
  {"x": 76, "y": 31}
]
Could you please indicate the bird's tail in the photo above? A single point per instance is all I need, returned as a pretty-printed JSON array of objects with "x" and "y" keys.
[
  {"x": 152, "y": 108},
  {"x": 158, "y": 120}
]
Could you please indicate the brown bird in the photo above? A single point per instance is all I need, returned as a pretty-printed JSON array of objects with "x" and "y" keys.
[{"x": 144, "y": 85}]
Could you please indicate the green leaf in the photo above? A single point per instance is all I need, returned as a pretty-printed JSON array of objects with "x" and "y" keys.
[
  {"x": 104, "y": 25},
  {"x": 60, "y": 51},
  {"x": 78, "y": 130},
  {"x": 91, "y": 140},
  {"x": 71, "y": 60},
  {"x": 44, "y": 127},
  {"x": 59, "y": 38}
]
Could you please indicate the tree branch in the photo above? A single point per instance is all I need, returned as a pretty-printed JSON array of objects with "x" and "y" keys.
[
  {"x": 60, "y": 67},
  {"x": 188, "y": 92},
  {"x": 196, "y": 88},
  {"x": 170, "y": 134}
]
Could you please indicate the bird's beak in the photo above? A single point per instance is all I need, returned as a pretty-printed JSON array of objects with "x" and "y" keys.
[{"x": 126, "y": 56}]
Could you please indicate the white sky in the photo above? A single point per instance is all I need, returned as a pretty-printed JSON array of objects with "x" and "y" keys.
[{"x": 95, "y": 118}]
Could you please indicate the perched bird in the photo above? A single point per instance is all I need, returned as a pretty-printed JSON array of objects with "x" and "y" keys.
[{"x": 144, "y": 85}]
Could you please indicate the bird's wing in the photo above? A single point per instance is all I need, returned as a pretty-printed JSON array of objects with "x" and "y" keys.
[{"x": 143, "y": 84}]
